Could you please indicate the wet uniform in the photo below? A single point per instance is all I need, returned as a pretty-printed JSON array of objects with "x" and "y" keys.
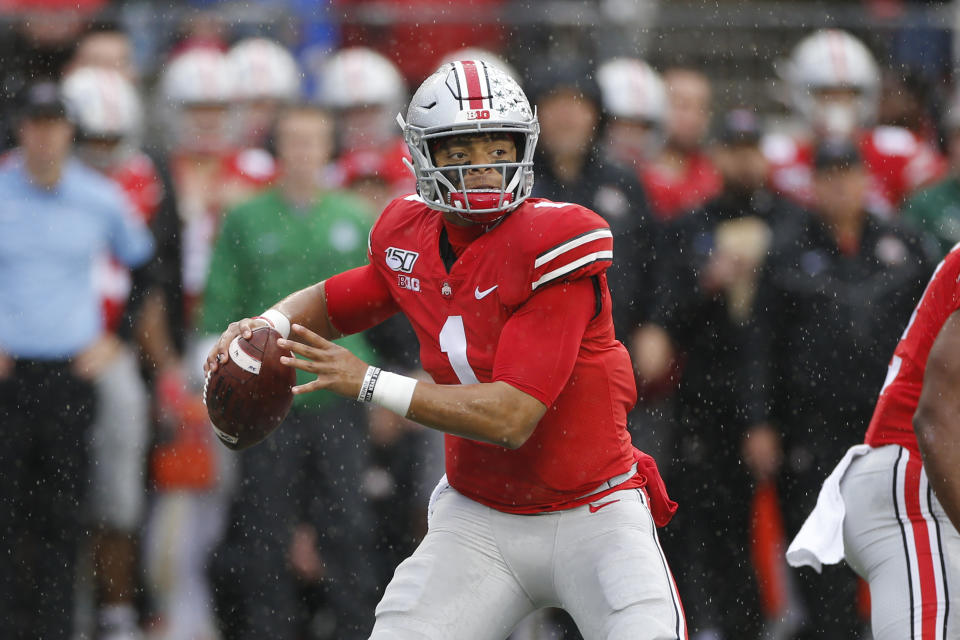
[{"x": 567, "y": 519}]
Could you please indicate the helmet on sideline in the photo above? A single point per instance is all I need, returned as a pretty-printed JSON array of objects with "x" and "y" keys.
[
  {"x": 105, "y": 104},
  {"x": 631, "y": 90},
  {"x": 198, "y": 76},
  {"x": 263, "y": 68},
  {"x": 464, "y": 97},
  {"x": 359, "y": 77}
]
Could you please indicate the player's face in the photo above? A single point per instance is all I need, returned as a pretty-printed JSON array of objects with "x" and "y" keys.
[
  {"x": 46, "y": 142},
  {"x": 568, "y": 123},
  {"x": 364, "y": 127},
  {"x": 743, "y": 166},
  {"x": 836, "y": 111},
  {"x": 631, "y": 140},
  {"x": 107, "y": 50},
  {"x": 304, "y": 143},
  {"x": 206, "y": 128},
  {"x": 101, "y": 153},
  {"x": 475, "y": 149},
  {"x": 688, "y": 115},
  {"x": 840, "y": 193}
]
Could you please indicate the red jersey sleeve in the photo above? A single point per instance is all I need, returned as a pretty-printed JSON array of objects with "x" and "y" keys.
[
  {"x": 358, "y": 299},
  {"x": 558, "y": 241},
  {"x": 539, "y": 344}
]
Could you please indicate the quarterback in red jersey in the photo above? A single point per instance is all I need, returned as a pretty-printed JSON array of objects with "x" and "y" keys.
[
  {"x": 891, "y": 508},
  {"x": 545, "y": 502}
]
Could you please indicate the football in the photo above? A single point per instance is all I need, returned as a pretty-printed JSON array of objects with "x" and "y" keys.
[{"x": 249, "y": 396}]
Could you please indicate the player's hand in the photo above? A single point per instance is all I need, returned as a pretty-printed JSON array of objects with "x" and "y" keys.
[
  {"x": 303, "y": 556},
  {"x": 762, "y": 452},
  {"x": 721, "y": 272},
  {"x": 652, "y": 352},
  {"x": 219, "y": 353},
  {"x": 93, "y": 360},
  {"x": 335, "y": 367}
]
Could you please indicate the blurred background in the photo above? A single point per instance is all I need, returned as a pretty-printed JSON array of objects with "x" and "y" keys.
[{"x": 251, "y": 145}]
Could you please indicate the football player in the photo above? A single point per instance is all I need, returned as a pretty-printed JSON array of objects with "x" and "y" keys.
[
  {"x": 834, "y": 87},
  {"x": 364, "y": 90},
  {"x": 891, "y": 508},
  {"x": 635, "y": 99},
  {"x": 680, "y": 176},
  {"x": 266, "y": 77},
  {"x": 545, "y": 502}
]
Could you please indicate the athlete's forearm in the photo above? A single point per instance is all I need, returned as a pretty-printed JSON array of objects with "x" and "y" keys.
[
  {"x": 308, "y": 307},
  {"x": 493, "y": 412}
]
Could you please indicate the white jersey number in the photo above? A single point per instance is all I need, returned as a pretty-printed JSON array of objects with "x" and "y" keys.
[{"x": 453, "y": 342}]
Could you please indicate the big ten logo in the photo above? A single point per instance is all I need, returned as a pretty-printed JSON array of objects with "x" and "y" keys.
[
  {"x": 479, "y": 114},
  {"x": 408, "y": 282},
  {"x": 401, "y": 259}
]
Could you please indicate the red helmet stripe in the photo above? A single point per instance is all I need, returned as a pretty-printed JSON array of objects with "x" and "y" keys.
[
  {"x": 474, "y": 90},
  {"x": 838, "y": 53}
]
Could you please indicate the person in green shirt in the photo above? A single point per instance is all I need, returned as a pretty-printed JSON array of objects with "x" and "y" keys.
[
  {"x": 298, "y": 516},
  {"x": 936, "y": 209}
]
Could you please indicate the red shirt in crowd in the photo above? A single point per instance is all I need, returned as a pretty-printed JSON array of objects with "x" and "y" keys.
[
  {"x": 673, "y": 194},
  {"x": 898, "y": 162},
  {"x": 141, "y": 183}
]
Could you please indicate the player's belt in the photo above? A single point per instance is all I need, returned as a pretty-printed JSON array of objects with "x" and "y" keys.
[{"x": 613, "y": 482}]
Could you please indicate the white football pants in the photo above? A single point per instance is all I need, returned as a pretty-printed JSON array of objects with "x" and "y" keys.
[
  {"x": 479, "y": 572},
  {"x": 897, "y": 537}
]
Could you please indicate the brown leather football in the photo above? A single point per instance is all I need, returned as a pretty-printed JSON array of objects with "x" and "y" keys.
[{"x": 248, "y": 396}]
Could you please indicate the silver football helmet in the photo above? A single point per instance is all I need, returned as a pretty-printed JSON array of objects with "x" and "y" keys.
[
  {"x": 833, "y": 59},
  {"x": 462, "y": 97}
]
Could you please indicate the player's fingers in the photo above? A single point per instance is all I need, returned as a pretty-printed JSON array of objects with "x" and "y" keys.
[
  {"x": 247, "y": 325},
  {"x": 302, "y": 349},
  {"x": 309, "y": 336},
  {"x": 297, "y": 363},
  {"x": 313, "y": 385}
]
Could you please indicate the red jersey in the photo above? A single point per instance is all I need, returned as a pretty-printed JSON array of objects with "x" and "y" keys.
[
  {"x": 892, "y": 421},
  {"x": 460, "y": 316},
  {"x": 141, "y": 183},
  {"x": 897, "y": 160},
  {"x": 672, "y": 195}
]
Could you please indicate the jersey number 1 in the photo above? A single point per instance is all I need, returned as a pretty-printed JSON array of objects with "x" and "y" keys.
[{"x": 453, "y": 342}]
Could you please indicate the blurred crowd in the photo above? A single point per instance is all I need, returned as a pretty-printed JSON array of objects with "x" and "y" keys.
[{"x": 762, "y": 278}]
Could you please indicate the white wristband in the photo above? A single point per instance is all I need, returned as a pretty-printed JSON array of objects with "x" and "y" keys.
[
  {"x": 278, "y": 321},
  {"x": 389, "y": 390}
]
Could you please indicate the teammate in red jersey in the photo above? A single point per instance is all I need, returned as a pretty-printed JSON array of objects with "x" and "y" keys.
[
  {"x": 891, "y": 508},
  {"x": 509, "y": 300},
  {"x": 834, "y": 87}
]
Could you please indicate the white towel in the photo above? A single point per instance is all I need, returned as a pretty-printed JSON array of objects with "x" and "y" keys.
[{"x": 820, "y": 539}]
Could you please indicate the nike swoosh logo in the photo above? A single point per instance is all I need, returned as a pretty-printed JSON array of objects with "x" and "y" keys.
[
  {"x": 594, "y": 509},
  {"x": 483, "y": 294}
]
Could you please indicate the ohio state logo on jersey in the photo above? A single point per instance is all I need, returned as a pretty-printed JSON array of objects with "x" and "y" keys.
[{"x": 401, "y": 259}]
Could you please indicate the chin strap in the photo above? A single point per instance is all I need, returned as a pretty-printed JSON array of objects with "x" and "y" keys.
[
  {"x": 473, "y": 200},
  {"x": 479, "y": 200}
]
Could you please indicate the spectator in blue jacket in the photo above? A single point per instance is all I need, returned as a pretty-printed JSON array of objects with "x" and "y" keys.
[{"x": 57, "y": 217}]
